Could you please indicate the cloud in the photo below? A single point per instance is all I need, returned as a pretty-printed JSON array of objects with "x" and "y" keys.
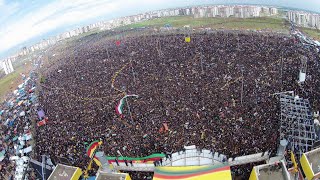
[
  {"x": 26, "y": 20},
  {"x": 50, "y": 17},
  {"x": 56, "y": 14}
]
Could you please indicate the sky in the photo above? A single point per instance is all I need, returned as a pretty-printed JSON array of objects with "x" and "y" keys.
[{"x": 24, "y": 22}]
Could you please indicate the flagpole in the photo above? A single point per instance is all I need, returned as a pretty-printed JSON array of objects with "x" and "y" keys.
[
  {"x": 241, "y": 85},
  {"x": 107, "y": 52},
  {"x": 86, "y": 175},
  {"x": 129, "y": 109},
  {"x": 128, "y": 105},
  {"x": 201, "y": 61},
  {"x": 132, "y": 70}
]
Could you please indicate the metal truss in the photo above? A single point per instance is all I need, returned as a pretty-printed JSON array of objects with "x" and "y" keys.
[{"x": 297, "y": 123}]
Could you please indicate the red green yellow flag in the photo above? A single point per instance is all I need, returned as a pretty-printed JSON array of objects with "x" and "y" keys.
[{"x": 92, "y": 147}]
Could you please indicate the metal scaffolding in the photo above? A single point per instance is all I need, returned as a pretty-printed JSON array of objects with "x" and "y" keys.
[{"x": 297, "y": 123}]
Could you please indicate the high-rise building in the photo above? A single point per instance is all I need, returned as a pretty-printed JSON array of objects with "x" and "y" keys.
[
  {"x": 304, "y": 19},
  {"x": 7, "y": 66}
]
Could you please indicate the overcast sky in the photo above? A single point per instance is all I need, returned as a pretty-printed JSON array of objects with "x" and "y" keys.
[{"x": 25, "y": 21}]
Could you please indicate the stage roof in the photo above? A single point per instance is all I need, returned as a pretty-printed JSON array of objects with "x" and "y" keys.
[
  {"x": 310, "y": 163},
  {"x": 64, "y": 172},
  {"x": 270, "y": 171}
]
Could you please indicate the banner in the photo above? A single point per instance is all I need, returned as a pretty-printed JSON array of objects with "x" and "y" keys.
[
  {"x": 146, "y": 159},
  {"x": 219, "y": 172}
]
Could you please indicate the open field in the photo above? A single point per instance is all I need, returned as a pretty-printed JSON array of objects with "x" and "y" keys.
[
  {"x": 261, "y": 23},
  {"x": 11, "y": 81},
  {"x": 313, "y": 33}
]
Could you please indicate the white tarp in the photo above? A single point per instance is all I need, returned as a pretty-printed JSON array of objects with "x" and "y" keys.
[
  {"x": 26, "y": 137},
  {"x": 22, "y": 113},
  {"x": 21, "y": 85},
  {"x": 25, "y": 158},
  {"x": 28, "y": 149},
  {"x": 2, "y": 157},
  {"x": 22, "y": 143},
  {"x": 190, "y": 147},
  {"x": 302, "y": 77},
  {"x": 13, "y": 158}
]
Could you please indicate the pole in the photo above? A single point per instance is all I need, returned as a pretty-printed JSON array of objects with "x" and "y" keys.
[
  {"x": 108, "y": 53},
  {"x": 242, "y": 86},
  {"x": 43, "y": 167},
  {"x": 201, "y": 60},
  {"x": 132, "y": 70},
  {"x": 129, "y": 111},
  {"x": 281, "y": 71},
  {"x": 256, "y": 91},
  {"x": 128, "y": 105},
  {"x": 86, "y": 175}
]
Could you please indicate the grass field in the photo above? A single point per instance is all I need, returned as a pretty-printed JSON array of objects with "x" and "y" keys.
[
  {"x": 12, "y": 80},
  {"x": 261, "y": 23},
  {"x": 313, "y": 33}
]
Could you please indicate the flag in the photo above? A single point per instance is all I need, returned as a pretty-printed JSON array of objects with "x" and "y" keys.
[
  {"x": 91, "y": 151},
  {"x": 92, "y": 147},
  {"x": 293, "y": 159},
  {"x": 43, "y": 122},
  {"x": 119, "y": 107},
  {"x": 118, "y": 42},
  {"x": 165, "y": 125},
  {"x": 187, "y": 39},
  {"x": 96, "y": 160}
]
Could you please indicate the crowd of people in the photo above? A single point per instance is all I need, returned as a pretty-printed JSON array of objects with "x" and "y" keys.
[
  {"x": 17, "y": 114},
  {"x": 215, "y": 92}
]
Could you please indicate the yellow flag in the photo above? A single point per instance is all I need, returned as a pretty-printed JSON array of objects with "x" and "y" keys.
[
  {"x": 293, "y": 159},
  {"x": 98, "y": 163},
  {"x": 187, "y": 39}
]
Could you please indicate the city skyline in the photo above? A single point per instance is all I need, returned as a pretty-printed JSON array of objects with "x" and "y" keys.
[{"x": 26, "y": 22}]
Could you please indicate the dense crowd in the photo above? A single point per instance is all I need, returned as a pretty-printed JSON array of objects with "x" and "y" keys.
[
  {"x": 17, "y": 113},
  {"x": 214, "y": 92}
]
